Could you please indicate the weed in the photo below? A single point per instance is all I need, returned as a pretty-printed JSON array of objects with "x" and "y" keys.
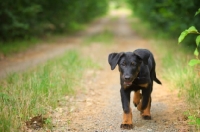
[
  {"x": 193, "y": 118},
  {"x": 194, "y": 121},
  {"x": 48, "y": 123}
]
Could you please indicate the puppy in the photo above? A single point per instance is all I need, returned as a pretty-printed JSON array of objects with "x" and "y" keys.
[{"x": 137, "y": 73}]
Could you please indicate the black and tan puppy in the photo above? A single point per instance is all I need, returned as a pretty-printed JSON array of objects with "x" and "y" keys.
[{"x": 137, "y": 73}]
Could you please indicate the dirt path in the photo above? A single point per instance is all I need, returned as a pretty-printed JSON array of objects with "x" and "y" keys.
[{"x": 98, "y": 108}]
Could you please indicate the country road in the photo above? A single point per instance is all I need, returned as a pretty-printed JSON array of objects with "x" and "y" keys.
[{"x": 98, "y": 107}]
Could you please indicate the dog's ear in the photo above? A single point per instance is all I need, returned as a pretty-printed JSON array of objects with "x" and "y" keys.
[
  {"x": 143, "y": 54},
  {"x": 114, "y": 58}
]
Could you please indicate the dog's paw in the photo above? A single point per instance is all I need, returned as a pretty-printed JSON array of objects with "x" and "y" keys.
[
  {"x": 146, "y": 117},
  {"x": 126, "y": 126},
  {"x": 135, "y": 104}
]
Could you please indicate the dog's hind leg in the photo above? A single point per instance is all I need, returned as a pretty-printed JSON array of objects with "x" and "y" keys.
[
  {"x": 136, "y": 98},
  {"x": 145, "y": 105},
  {"x": 146, "y": 115}
]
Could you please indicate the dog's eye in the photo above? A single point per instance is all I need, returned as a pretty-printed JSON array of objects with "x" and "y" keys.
[
  {"x": 123, "y": 64},
  {"x": 132, "y": 63}
]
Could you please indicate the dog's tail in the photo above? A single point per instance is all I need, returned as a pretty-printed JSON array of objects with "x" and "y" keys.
[
  {"x": 155, "y": 78},
  {"x": 153, "y": 72}
]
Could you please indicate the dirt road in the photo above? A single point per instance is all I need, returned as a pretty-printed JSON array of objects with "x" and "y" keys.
[{"x": 98, "y": 108}]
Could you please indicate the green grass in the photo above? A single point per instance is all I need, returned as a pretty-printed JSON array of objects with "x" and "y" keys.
[
  {"x": 175, "y": 70},
  {"x": 183, "y": 77},
  {"x": 104, "y": 37},
  {"x": 12, "y": 47},
  {"x": 25, "y": 95}
]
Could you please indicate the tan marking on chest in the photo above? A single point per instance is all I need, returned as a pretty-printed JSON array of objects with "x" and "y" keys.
[{"x": 145, "y": 85}]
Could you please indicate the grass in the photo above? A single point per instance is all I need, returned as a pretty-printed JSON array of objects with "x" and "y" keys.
[
  {"x": 175, "y": 67},
  {"x": 183, "y": 77},
  {"x": 104, "y": 37},
  {"x": 25, "y": 95},
  {"x": 7, "y": 48}
]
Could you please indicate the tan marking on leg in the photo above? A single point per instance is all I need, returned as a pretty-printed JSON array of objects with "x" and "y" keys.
[
  {"x": 127, "y": 120},
  {"x": 146, "y": 112},
  {"x": 136, "y": 97},
  {"x": 139, "y": 106},
  {"x": 127, "y": 117},
  {"x": 145, "y": 85},
  {"x": 137, "y": 94}
]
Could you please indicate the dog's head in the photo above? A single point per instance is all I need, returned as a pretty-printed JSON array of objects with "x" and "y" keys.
[{"x": 129, "y": 64}]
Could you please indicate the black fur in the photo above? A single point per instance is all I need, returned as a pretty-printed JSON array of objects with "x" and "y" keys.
[{"x": 135, "y": 68}]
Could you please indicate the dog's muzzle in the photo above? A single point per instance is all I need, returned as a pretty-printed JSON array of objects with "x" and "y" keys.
[
  {"x": 128, "y": 80},
  {"x": 126, "y": 83}
]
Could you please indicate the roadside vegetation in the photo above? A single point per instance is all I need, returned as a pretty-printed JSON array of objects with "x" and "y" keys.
[
  {"x": 24, "y": 21},
  {"x": 13, "y": 47},
  {"x": 174, "y": 58},
  {"x": 170, "y": 17},
  {"x": 104, "y": 37},
  {"x": 38, "y": 91}
]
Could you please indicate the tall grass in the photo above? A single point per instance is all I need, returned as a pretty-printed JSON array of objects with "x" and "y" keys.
[
  {"x": 24, "y": 95},
  {"x": 185, "y": 78}
]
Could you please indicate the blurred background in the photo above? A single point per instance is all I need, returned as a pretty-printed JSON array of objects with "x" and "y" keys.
[{"x": 34, "y": 19}]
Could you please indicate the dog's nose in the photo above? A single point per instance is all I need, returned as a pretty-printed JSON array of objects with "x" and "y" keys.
[{"x": 127, "y": 78}]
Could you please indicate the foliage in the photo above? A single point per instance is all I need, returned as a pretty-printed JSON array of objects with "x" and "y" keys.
[
  {"x": 38, "y": 91},
  {"x": 169, "y": 16},
  {"x": 192, "y": 30},
  {"x": 24, "y": 18},
  {"x": 193, "y": 118}
]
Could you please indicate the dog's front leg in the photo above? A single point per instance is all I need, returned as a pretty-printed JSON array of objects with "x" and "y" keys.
[{"x": 127, "y": 115}]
